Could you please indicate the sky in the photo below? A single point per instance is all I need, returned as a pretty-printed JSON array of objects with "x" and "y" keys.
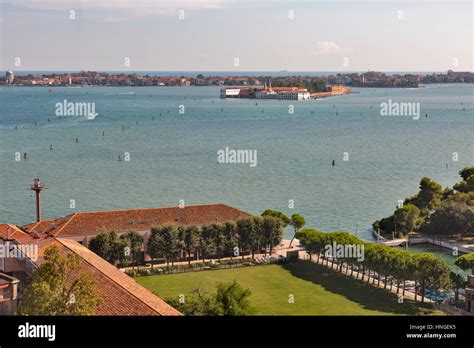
[{"x": 233, "y": 35}]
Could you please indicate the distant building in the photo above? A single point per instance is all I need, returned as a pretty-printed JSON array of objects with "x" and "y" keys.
[
  {"x": 230, "y": 92},
  {"x": 267, "y": 92},
  {"x": 9, "y": 77},
  {"x": 338, "y": 89},
  {"x": 287, "y": 93}
]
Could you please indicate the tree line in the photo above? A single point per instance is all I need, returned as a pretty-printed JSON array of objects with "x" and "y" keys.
[
  {"x": 384, "y": 263},
  {"x": 246, "y": 236}
]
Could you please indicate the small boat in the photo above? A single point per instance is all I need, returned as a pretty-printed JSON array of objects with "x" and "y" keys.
[{"x": 92, "y": 116}]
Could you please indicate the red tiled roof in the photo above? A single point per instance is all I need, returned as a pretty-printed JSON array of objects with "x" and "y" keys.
[
  {"x": 289, "y": 89},
  {"x": 119, "y": 294},
  {"x": 13, "y": 232},
  {"x": 90, "y": 223}
]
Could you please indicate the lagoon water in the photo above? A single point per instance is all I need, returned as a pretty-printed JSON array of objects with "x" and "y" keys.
[{"x": 173, "y": 156}]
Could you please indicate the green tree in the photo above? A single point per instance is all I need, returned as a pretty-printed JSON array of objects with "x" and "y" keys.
[
  {"x": 408, "y": 271},
  {"x": 59, "y": 287},
  {"x": 297, "y": 221},
  {"x": 272, "y": 232},
  {"x": 313, "y": 241},
  {"x": 198, "y": 303},
  {"x": 407, "y": 216},
  {"x": 205, "y": 242},
  {"x": 230, "y": 299},
  {"x": 230, "y": 238},
  {"x": 431, "y": 273},
  {"x": 277, "y": 214},
  {"x": 466, "y": 172},
  {"x": 189, "y": 238},
  {"x": 164, "y": 243},
  {"x": 450, "y": 219},
  {"x": 245, "y": 229},
  {"x": 233, "y": 299},
  {"x": 467, "y": 185},
  {"x": 256, "y": 235},
  {"x": 102, "y": 245},
  {"x": 466, "y": 262},
  {"x": 134, "y": 242},
  {"x": 218, "y": 239},
  {"x": 458, "y": 282},
  {"x": 429, "y": 195},
  {"x": 110, "y": 247}
]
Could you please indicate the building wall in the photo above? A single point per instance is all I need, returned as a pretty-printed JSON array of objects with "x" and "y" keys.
[
  {"x": 9, "y": 295},
  {"x": 470, "y": 294},
  {"x": 230, "y": 92}
]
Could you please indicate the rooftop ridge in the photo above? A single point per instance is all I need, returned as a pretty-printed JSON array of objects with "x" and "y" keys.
[
  {"x": 91, "y": 222},
  {"x": 85, "y": 253},
  {"x": 69, "y": 220},
  {"x": 153, "y": 208}
]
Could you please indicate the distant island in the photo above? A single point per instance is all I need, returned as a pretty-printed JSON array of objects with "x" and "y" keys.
[
  {"x": 313, "y": 84},
  {"x": 299, "y": 92}
]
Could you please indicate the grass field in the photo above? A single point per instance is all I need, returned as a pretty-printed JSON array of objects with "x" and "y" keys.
[{"x": 316, "y": 290}]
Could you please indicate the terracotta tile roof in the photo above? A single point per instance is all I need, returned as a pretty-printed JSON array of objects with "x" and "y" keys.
[
  {"x": 13, "y": 232},
  {"x": 46, "y": 227},
  {"x": 120, "y": 294},
  {"x": 289, "y": 89},
  {"x": 90, "y": 223}
]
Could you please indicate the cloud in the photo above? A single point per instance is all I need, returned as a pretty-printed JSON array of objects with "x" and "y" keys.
[
  {"x": 138, "y": 6},
  {"x": 328, "y": 48}
]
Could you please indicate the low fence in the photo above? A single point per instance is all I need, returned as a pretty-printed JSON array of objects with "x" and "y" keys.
[{"x": 205, "y": 266}]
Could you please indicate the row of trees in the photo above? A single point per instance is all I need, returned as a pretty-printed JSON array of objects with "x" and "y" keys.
[
  {"x": 394, "y": 266},
  {"x": 123, "y": 249},
  {"x": 246, "y": 236},
  {"x": 435, "y": 211}
]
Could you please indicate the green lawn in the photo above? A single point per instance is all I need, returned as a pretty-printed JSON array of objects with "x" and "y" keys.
[{"x": 316, "y": 290}]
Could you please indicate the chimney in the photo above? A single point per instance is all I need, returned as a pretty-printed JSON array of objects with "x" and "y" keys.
[{"x": 8, "y": 233}]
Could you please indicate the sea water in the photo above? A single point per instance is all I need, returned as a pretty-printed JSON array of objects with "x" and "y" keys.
[{"x": 168, "y": 140}]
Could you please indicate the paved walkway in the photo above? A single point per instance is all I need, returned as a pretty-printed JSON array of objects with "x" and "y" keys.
[{"x": 185, "y": 263}]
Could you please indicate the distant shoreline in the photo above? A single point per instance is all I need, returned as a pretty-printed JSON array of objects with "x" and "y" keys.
[{"x": 313, "y": 82}]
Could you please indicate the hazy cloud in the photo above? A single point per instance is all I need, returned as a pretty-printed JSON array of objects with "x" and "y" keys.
[
  {"x": 138, "y": 6},
  {"x": 328, "y": 48}
]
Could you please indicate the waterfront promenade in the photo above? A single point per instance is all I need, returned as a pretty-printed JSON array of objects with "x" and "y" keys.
[{"x": 465, "y": 246}]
